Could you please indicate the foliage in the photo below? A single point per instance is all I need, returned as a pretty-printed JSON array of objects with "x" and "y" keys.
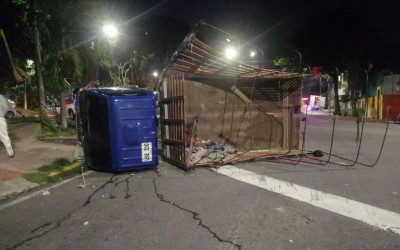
[
  {"x": 46, "y": 133},
  {"x": 57, "y": 164},
  {"x": 73, "y": 48},
  {"x": 287, "y": 63},
  {"x": 62, "y": 63},
  {"x": 43, "y": 174}
]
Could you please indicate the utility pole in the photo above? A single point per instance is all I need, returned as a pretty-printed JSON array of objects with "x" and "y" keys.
[
  {"x": 336, "y": 89},
  {"x": 329, "y": 97}
]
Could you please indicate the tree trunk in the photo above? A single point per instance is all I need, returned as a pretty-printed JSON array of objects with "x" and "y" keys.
[
  {"x": 38, "y": 67},
  {"x": 336, "y": 89},
  {"x": 25, "y": 99},
  {"x": 63, "y": 112}
]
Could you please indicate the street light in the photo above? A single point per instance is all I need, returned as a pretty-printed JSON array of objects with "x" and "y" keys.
[
  {"x": 110, "y": 30},
  {"x": 252, "y": 53},
  {"x": 155, "y": 74},
  {"x": 231, "y": 53}
]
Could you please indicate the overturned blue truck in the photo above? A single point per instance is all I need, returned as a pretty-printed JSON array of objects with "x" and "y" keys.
[{"x": 117, "y": 128}]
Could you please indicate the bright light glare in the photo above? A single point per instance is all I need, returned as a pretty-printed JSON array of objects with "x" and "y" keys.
[
  {"x": 155, "y": 74},
  {"x": 110, "y": 30},
  {"x": 252, "y": 54},
  {"x": 231, "y": 53},
  {"x": 29, "y": 63}
]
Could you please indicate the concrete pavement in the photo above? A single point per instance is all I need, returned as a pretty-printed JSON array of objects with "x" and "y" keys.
[
  {"x": 178, "y": 210},
  {"x": 29, "y": 155},
  {"x": 172, "y": 209}
]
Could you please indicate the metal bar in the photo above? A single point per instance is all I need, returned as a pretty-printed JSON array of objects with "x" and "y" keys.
[
  {"x": 172, "y": 142},
  {"x": 183, "y": 116},
  {"x": 170, "y": 99},
  {"x": 168, "y": 121},
  {"x": 182, "y": 126},
  {"x": 173, "y": 116},
  {"x": 176, "y": 163}
]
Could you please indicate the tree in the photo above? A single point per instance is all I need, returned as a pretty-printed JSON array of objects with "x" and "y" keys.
[
  {"x": 38, "y": 66},
  {"x": 63, "y": 67}
]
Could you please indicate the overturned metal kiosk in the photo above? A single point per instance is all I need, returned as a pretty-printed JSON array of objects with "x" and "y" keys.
[{"x": 217, "y": 109}]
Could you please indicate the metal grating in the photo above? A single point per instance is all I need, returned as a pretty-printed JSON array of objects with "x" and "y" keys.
[
  {"x": 199, "y": 58},
  {"x": 173, "y": 120}
]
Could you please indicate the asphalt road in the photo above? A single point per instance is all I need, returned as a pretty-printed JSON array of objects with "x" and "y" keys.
[{"x": 172, "y": 209}]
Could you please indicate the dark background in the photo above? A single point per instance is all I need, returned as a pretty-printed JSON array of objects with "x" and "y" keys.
[{"x": 326, "y": 32}]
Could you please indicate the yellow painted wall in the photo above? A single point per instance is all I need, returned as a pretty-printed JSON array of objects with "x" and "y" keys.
[{"x": 372, "y": 102}]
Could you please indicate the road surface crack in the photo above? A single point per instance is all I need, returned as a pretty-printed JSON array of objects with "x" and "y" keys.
[
  {"x": 195, "y": 215},
  {"x": 57, "y": 224},
  {"x": 127, "y": 191}
]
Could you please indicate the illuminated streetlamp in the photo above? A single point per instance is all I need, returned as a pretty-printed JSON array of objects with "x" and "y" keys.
[
  {"x": 155, "y": 74},
  {"x": 231, "y": 53},
  {"x": 110, "y": 30},
  {"x": 252, "y": 53}
]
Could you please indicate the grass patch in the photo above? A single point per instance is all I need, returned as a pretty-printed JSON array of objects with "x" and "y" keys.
[
  {"x": 42, "y": 177},
  {"x": 56, "y": 165},
  {"x": 39, "y": 178},
  {"x": 47, "y": 133}
]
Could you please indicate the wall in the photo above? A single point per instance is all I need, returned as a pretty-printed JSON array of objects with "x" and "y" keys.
[{"x": 394, "y": 102}]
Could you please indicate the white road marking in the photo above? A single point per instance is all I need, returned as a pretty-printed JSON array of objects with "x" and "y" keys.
[
  {"x": 39, "y": 192},
  {"x": 378, "y": 217}
]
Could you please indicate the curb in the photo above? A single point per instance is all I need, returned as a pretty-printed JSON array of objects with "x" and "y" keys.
[
  {"x": 349, "y": 118},
  {"x": 39, "y": 191},
  {"x": 61, "y": 140},
  {"x": 66, "y": 169}
]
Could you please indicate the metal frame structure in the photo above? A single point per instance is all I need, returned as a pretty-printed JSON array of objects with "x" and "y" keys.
[
  {"x": 173, "y": 120},
  {"x": 195, "y": 59}
]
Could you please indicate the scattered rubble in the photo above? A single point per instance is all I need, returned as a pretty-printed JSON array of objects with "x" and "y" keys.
[
  {"x": 46, "y": 192},
  {"x": 210, "y": 153}
]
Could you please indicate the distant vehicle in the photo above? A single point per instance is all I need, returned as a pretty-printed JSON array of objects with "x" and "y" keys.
[
  {"x": 12, "y": 110},
  {"x": 69, "y": 106},
  {"x": 71, "y": 110}
]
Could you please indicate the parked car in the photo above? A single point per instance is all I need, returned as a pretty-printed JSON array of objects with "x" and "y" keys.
[
  {"x": 12, "y": 111},
  {"x": 69, "y": 105},
  {"x": 71, "y": 110}
]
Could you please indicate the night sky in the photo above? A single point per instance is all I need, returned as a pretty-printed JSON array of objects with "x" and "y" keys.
[
  {"x": 323, "y": 30},
  {"x": 326, "y": 31}
]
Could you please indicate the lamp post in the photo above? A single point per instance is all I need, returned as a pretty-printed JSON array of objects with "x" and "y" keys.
[
  {"x": 300, "y": 59},
  {"x": 253, "y": 54}
]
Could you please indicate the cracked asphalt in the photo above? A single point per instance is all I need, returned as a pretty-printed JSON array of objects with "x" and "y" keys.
[{"x": 173, "y": 209}]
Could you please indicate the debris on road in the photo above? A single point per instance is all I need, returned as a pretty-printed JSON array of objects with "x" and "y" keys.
[
  {"x": 86, "y": 223},
  {"x": 280, "y": 209},
  {"x": 318, "y": 153},
  {"x": 46, "y": 192},
  {"x": 210, "y": 153}
]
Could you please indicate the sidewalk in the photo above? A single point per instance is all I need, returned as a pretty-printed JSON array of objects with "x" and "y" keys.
[{"x": 29, "y": 155}]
